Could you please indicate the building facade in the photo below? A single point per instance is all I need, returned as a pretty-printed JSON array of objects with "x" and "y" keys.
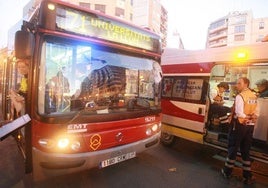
[
  {"x": 237, "y": 28},
  {"x": 152, "y": 15},
  {"x": 120, "y": 8}
]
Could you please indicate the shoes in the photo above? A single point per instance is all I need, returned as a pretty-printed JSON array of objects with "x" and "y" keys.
[
  {"x": 249, "y": 181},
  {"x": 224, "y": 174}
]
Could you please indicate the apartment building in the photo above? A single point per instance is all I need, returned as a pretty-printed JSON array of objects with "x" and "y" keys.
[
  {"x": 152, "y": 15},
  {"x": 237, "y": 28}
]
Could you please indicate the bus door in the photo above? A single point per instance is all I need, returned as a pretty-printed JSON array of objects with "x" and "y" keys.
[
  {"x": 11, "y": 123},
  {"x": 8, "y": 80},
  {"x": 184, "y": 107},
  {"x": 14, "y": 84},
  {"x": 217, "y": 127}
]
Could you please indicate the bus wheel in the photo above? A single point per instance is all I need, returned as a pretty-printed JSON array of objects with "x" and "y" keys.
[{"x": 167, "y": 139}]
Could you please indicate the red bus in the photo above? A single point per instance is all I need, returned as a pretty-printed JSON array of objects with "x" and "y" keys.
[
  {"x": 93, "y": 89},
  {"x": 188, "y": 78}
]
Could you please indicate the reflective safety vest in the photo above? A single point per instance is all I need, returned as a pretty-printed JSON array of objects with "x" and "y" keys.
[
  {"x": 250, "y": 103},
  {"x": 23, "y": 85}
]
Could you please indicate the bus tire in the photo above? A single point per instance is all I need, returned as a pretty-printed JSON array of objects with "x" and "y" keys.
[{"x": 167, "y": 139}]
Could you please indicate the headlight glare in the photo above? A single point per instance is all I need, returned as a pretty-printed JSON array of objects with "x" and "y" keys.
[
  {"x": 148, "y": 132},
  {"x": 63, "y": 143},
  {"x": 154, "y": 127}
]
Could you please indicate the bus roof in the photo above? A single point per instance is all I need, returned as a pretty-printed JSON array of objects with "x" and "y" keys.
[
  {"x": 67, "y": 18},
  {"x": 247, "y": 53},
  {"x": 85, "y": 9}
]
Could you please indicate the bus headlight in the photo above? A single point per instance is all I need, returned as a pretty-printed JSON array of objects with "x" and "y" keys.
[
  {"x": 46, "y": 143},
  {"x": 148, "y": 132},
  {"x": 63, "y": 143},
  {"x": 75, "y": 145},
  {"x": 154, "y": 127},
  {"x": 60, "y": 144}
]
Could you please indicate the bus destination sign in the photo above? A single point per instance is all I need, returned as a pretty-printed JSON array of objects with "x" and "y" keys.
[{"x": 93, "y": 25}]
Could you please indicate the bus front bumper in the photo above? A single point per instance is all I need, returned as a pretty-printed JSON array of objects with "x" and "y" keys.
[{"x": 47, "y": 165}]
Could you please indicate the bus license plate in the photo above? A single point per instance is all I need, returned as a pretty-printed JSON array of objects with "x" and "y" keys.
[{"x": 117, "y": 159}]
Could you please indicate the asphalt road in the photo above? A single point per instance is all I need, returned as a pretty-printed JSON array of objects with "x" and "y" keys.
[{"x": 186, "y": 164}]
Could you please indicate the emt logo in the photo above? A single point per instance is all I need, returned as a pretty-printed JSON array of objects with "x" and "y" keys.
[{"x": 95, "y": 141}]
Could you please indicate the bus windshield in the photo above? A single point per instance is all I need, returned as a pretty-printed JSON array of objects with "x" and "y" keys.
[{"x": 76, "y": 76}]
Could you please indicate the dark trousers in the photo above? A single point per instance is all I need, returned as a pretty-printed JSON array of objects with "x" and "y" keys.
[
  {"x": 219, "y": 110},
  {"x": 240, "y": 137}
]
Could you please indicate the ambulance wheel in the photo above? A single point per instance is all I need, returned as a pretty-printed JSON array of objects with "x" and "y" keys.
[{"x": 167, "y": 139}]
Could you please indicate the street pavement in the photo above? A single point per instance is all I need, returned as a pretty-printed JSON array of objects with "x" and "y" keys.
[
  {"x": 11, "y": 163},
  {"x": 184, "y": 165}
]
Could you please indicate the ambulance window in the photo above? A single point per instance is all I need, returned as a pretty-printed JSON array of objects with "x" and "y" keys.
[
  {"x": 167, "y": 86},
  {"x": 186, "y": 89},
  {"x": 194, "y": 89},
  {"x": 179, "y": 87}
]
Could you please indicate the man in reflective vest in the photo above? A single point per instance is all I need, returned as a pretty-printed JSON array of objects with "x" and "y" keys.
[{"x": 241, "y": 130}]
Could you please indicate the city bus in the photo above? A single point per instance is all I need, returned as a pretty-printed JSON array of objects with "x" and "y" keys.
[
  {"x": 188, "y": 78},
  {"x": 93, "y": 89}
]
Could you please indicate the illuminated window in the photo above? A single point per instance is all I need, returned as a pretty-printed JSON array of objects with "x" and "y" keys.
[{"x": 100, "y": 8}]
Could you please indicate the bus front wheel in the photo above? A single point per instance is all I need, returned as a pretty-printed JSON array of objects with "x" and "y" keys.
[{"x": 167, "y": 139}]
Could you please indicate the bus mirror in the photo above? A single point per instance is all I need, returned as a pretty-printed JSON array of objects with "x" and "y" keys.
[{"x": 24, "y": 44}]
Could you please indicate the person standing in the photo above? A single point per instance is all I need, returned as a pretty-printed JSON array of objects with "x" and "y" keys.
[
  {"x": 59, "y": 86},
  {"x": 262, "y": 86},
  {"x": 241, "y": 130},
  {"x": 19, "y": 96}
]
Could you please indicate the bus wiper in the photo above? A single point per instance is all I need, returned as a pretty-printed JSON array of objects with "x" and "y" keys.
[
  {"x": 100, "y": 60},
  {"x": 89, "y": 107},
  {"x": 92, "y": 106},
  {"x": 138, "y": 104}
]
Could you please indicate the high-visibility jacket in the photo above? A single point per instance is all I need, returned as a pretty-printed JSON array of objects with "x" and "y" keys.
[
  {"x": 23, "y": 85},
  {"x": 250, "y": 103}
]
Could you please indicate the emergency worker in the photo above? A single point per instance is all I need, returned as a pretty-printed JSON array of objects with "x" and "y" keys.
[
  {"x": 216, "y": 94},
  {"x": 241, "y": 130},
  {"x": 217, "y": 109},
  {"x": 262, "y": 86}
]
